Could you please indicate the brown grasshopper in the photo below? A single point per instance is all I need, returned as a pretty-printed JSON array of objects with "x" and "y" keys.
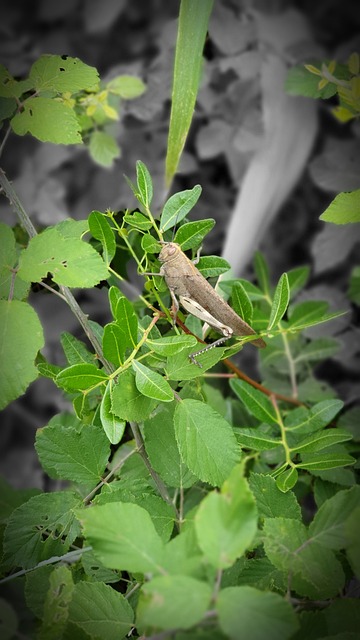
[{"x": 199, "y": 298}]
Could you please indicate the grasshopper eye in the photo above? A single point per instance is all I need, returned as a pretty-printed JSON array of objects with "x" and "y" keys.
[{"x": 171, "y": 249}]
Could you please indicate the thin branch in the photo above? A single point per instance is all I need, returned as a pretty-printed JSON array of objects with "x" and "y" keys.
[{"x": 4, "y": 140}]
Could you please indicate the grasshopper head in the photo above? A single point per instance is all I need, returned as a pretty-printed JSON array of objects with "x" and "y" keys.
[{"x": 169, "y": 251}]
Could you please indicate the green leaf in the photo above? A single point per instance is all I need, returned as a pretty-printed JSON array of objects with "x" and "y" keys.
[
  {"x": 72, "y": 454},
  {"x": 180, "y": 367},
  {"x": 171, "y": 345},
  {"x": 319, "y": 349},
  {"x": 47, "y": 120},
  {"x": 192, "y": 29},
  {"x": 100, "y": 229},
  {"x": 144, "y": 184},
  {"x": 114, "y": 344},
  {"x": 178, "y": 206},
  {"x": 75, "y": 350},
  {"x": 255, "y": 401},
  {"x": 191, "y": 234},
  {"x": 319, "y": 416},
  {"x": 42, "y": 527},
  {"x": 56, "y": 604},
  {"x": 344, "y": 209},
  {"x": 309, "y": 313},
  {"x": 127, "y": 402},
  {"x": 127, "y": 87},
  {"x": 168, "y": 602},
  {"x": 101, "y": 611},
  {"x": 125, "y": 316},
  {"x": 151, "y": 384},
  {"x": 20, "y": 333},
  {"x": 226, "y": 522},
  {"x": 163, "y": 452},
  {"x": 113, "y": 427},
  {"x": 9, "y": 280},
  {"x": 287, "y": 479},
  {"x": 11, "y": 88},
  {"x": 301, "y": 82},
  {"x": 298, "y": 278},
  {"x": 280, "y": 301},
  {"x": 150, "y": 245},
  {"x": 259, "y": 614},
  {"x": 270, "y": 500},
  {"x": 123, "y": 536},
  {"x": 254, "y": 438},
  {"x": 262, "y": 272},
  {"x": 8, "y": 620},
  {"x": 329, "y": 526},
  {"x": 138, "y": 220},
  {"x": 206, "y": 441},
  {"x": 325, "y": 461},
  {"x": 321, "y": 440},
  {"x": 80, "y": 377},
  {"x": 241, "y": 302},
  {"x": 63, "y": 74},
  {"x": 316, "y": 571},
  {"x": 103, "y": 148},
  {"x": 72, "y": 262},
  {"x": 96, "y": 570},
  {"x": 11, "y": 498},
  {"x": 212, "y": 266}
]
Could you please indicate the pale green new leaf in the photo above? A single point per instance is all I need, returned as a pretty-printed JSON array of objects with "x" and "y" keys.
[
  {"x": 69, "y": 453},
  {"x": 206, "y": 441},
  {"x": 123, "y": 536},
  {"x": 226, "y": 522},
  {"x": 63, "y": 74},
  {"x": 43, "y": 527},
  {"x": 192, "y": 28},
  {"x": 344, "y": 209},
  {"x": 100, "y": 611},
  {"x": 259, "y": 614},
  {"x": 178, "y": 206},
  {"x": 127, "y": 87},
  {"x": 255, "y": 401},
  {"x": 47, "y": 120},
  {"x": 113, "y": 427},
  {"x": 270, "y": 500},
  {"x": 151, "y": 384},
  {"x": 168, "y": 602},
  {"x": 103, "y": 148},
  {"x": 72, "y": 262},
  {"x": 280, "y": 301},
  {"x": 18, "y": 348}
]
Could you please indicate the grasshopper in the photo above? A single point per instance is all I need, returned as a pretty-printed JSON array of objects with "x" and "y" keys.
[{"x": 199, "y": 298}]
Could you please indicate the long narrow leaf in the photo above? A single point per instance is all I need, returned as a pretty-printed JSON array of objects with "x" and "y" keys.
[{"x": 193, "y": 23}]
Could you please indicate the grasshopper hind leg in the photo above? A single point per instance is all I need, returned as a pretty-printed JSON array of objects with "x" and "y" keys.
[{"x": 217, "y": 343}]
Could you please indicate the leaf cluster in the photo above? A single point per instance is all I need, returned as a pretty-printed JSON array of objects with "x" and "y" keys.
[{"x": 187, "y": 494}]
